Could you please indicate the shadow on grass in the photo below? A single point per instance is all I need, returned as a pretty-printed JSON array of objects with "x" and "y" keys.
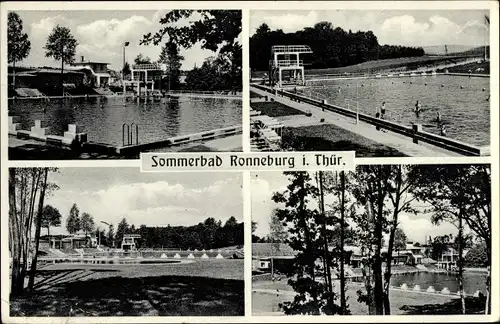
[
  {"x": 314, "y": 143},
  {"x": 275, "y": 109},
  {"x": 119, "y": 296},
  {"x": 472, "y": 305}
]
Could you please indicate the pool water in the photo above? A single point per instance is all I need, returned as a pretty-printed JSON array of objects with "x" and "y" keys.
[
  {"x": 473, "y": 281},
  {"x": 102, "y": 118},
  {"x": 463, "y": 104}
]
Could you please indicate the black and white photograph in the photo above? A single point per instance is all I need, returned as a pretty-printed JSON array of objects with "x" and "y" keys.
[
  {"x": 101, "y": 84},
  {"x": 117, "y": 242},
  {"x": 379, "y": 82},
  {"x": 382, "y": 240}
]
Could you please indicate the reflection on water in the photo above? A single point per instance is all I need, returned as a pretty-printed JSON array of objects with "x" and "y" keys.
[
  {"x": 461, "y": 101},
  {"x": 473, "y": 281},
  {"x": 102, "y": 118}
]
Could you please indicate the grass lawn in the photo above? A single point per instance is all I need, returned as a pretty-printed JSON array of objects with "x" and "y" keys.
[
  {"x": 402, "y": 302},
  {"x": 275, "y": 109},
  {"x": 471, "y": 66},
  {"x": 201, "y": 288},
  {"x": 373, "y": 66},
  {"x": 332, "y": 138},
  {"x": 254, "y": 95}
]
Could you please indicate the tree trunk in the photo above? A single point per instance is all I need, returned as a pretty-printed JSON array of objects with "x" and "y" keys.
[
  {"x": 327, "y": 270},
  {"x": 342, "y": 274},
  {"x": 17, "y": 281},
  {"x": 14, "y": 75},
  {"x": 460, "y": 261},
  {"x": 377, "y": 264},
  {"x": 31, "y": 281},
  {"x": 488, "y": 292},
  {"x": 388, "y": 274}
]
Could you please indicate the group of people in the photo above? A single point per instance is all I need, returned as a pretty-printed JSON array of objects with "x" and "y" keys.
[{"x": 417, "y": 110}]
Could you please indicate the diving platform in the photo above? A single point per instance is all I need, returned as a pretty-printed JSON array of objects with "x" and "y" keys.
[
  {"x": 285, "y": 64},
  {"x": 143, "y": 77}
]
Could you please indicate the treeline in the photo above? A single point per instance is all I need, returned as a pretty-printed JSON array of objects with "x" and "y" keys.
[
  {"x": 210, "y": 234},
  {"x": 332, "y": 47}
]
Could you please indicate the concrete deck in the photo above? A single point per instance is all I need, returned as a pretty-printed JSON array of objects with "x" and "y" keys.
[{"x": 401, "y": 143}]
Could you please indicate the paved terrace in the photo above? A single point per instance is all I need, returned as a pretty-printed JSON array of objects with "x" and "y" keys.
[{"x": 399, "y": 142}]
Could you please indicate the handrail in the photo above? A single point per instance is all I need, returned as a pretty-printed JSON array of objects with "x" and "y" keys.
[{"x": 276, "y": 63}]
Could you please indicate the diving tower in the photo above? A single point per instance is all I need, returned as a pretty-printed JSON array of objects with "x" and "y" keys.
[
  {"x": 144, "y": 74},
  {"x": 128, "y": 242},
  {"x": 286, "y": 63}
]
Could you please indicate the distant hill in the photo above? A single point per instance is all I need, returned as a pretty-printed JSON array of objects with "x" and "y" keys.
[{"x": 452, "y": 49}]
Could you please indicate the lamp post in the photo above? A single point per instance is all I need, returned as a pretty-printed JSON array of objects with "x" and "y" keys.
[{"x": 123, "y": 69}]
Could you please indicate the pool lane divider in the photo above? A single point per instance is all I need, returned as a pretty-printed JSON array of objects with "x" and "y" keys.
[
  {"x": 415, "y": 131},
  {"x": 74, "y": 137}
]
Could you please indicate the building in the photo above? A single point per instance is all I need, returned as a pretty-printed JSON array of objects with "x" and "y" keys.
[
  {"x": 72, "y": 241},
  {"x": 280, "y": 254},
  {"x": 97, "y": 72},
  {"x": 46, "y": 78},
  {"x": 448, "y": 259}
]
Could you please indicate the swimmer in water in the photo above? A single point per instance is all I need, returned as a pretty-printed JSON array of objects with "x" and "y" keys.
[
  {"x": 443, "y": 130},
  {"x": 377, "y": 115},
  {"x": 438, "y": 118},
  {"x": 382, "y": 110},
  {"x": 417, "y": 109}
]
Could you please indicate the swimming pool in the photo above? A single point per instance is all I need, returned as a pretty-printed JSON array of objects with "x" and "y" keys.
[
  {"x": 463, "y": 102},
  {"x": 102, "y": 118}
]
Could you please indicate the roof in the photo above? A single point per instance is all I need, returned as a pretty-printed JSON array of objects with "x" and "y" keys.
[
  {"x": 57, "y": 71},
  {"x": 89, "y": 62},
  {"x": 272, "y": 249}
]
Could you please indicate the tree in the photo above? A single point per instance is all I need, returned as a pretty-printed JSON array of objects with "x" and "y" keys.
[
  {"x": 73, "y": 224},
  {"x": 460, "y": 195},
  {"x": 27, "y": 190},
  {"x": 61, "y": 46},
  {"x": 50, "y": 217},
  {"x": 126, "y": 70},
  {"x": 216, "y": 30},
  {"x": 170, "y": 56},
  {"x": 399, "y": 240},
  {"x": 314, "y": 296},
  {"x": 18, "y": 44},
  {"x": 87, "y": 223},
  {"x": 121, "y": 230},
  {"x": 140, "y": 59},
  {"x": 111, "y": 236}
]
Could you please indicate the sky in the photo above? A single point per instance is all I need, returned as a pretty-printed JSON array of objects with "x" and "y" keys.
[
  {"x": 101, "y": 35},
  {"x": 152, "y": 199},
  {"x": 392, "y": 27},
  {"x": 264, "y": 184}
]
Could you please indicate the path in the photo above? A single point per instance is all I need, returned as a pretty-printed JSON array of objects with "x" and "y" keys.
[{"x": 401, "y": 143}]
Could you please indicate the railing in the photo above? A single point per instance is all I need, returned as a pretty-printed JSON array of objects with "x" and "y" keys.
[
  {"x": 415, "y": 132},
  {"x": 151, "y": 66},
  {"x": 291, "y": 49},
  {"x": 217, "y": 93},
  {"x": 277, "y": 63}
]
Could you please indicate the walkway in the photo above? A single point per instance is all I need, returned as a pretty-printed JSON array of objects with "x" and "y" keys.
[{"x": 401, "y": 143}]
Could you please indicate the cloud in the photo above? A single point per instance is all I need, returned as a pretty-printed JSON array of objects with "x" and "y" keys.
[
  {"x": 102, "y": 39},
  {"x": 155, "y": 203},
  {"x": 393, "y": 28},
  {"x": 288, "y": 22},
  {"x": 102, "y": 34}
]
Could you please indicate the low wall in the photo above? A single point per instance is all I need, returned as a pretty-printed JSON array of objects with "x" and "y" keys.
[
  {"x": 415, "y": 132},
  {"x": 180, "y": 140},
  {"x": 74, "y": 136}
]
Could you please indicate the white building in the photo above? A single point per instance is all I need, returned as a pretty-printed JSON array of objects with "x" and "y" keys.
[{"x": 98, "y": 71}]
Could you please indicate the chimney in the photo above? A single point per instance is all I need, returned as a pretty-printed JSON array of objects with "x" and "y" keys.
[{"x": 83, "y": 58}]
